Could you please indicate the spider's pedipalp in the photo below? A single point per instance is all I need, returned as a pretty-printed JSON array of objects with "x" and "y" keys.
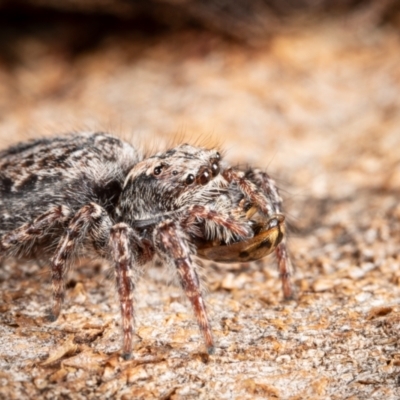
[
  {"x": 250, "y": 190},
  {"x": 216, "y": 224}
]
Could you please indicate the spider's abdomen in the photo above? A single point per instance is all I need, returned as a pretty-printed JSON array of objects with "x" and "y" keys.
[{"x": 69, "y": 171}]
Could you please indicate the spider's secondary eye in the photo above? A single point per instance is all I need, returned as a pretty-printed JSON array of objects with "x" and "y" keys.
[
  {"x": 189, "y": 179},
  {"x": 157, "y": 170},
  {"x": 218, "y": 156},
  {"x": 204, "y": 177},
  {"x": 215, "y": 168},
  {"x": 174, "y": 172}
]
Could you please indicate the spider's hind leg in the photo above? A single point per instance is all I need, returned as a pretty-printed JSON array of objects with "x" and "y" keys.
[
  {"x": 19, "y": 240},
  {"x": 90, "y": 222}
]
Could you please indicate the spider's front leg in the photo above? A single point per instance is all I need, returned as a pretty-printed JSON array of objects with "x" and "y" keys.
[
  {"x": 261, "y": 190},
  {"x": 172, "y": 245}
]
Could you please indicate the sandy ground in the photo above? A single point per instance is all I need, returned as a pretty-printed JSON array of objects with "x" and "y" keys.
[{"x": 319, "y": 109}]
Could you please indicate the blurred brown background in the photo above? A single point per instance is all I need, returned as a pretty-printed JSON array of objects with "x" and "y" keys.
[{"x": 310, "y": 91}]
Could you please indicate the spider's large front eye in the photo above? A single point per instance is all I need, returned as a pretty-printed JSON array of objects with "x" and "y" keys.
[
  {"x": 189, "y": 179},
  {"x": 204, "y": 177},
  {"x": 215, "y": 168},
  {"x": 157, "y": 170}
]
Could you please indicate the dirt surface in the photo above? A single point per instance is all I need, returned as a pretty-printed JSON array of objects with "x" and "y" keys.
[{"x": 319, "y": 109}]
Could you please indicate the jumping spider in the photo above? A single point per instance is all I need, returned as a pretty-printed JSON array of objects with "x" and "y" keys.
[{"x": 92, "y": 193}]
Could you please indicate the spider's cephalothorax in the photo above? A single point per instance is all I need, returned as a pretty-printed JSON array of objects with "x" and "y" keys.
[{"x": 92, "y": 193}]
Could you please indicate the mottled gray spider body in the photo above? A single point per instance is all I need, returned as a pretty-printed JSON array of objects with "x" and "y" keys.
[{"x": 92, "y": 193}]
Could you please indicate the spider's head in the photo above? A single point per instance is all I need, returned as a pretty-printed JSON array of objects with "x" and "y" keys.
[
  {"x": 170, "y": 183},
  {"x": 173, "y": 180}
]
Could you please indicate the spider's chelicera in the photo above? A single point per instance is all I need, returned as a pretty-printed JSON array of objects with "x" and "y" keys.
[{"x": 93, "y": 194}]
